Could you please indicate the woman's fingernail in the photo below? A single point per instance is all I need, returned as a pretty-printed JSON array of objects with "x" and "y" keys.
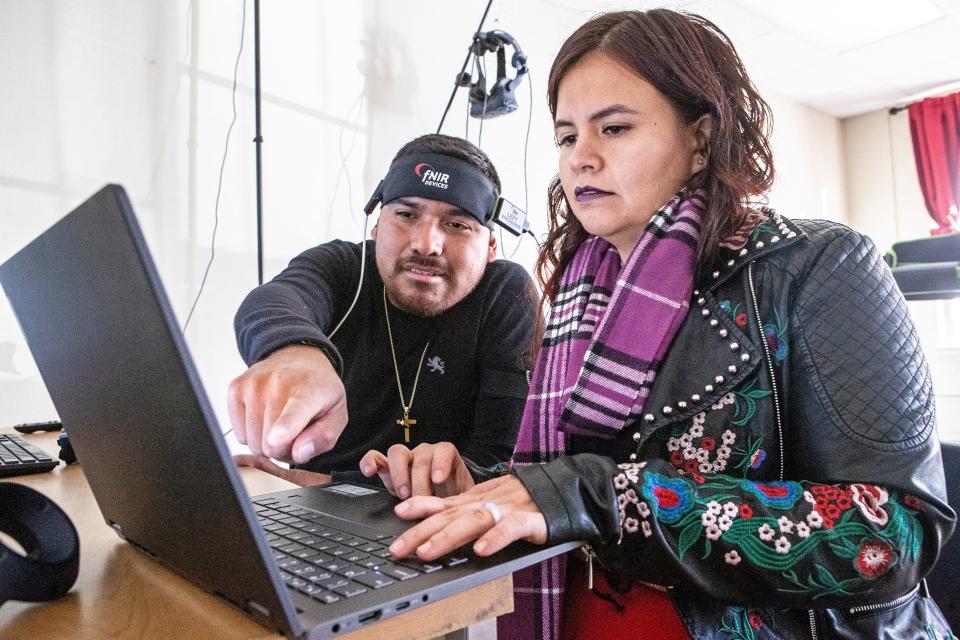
[
  {"x": 366, "y": 470},
  {"x": 402, "y": 507},
  {"x": 404, "y": 492},
  {"x": 425, "y": 547},
  {"x": 438, "y": 476},
  {"x": 397, "y": 546},
  {"x": 480, "y": 546}
]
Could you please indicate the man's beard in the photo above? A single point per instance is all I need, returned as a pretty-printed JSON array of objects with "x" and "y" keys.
[
  {"x": 418, "y": 305},
  {"x": 422, "y": 301},
  {"x": 429, "y": 300}
]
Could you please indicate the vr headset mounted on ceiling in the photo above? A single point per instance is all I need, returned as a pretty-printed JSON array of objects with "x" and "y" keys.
[{"x": 501, "y": 98}]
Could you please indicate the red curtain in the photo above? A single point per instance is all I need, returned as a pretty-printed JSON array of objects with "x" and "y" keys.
[{"x": 935, "y": 129}]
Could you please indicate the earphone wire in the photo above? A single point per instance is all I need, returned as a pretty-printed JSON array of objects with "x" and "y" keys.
[
  {"x": 356, "y": 296},
  {"x": 223, "y": 163}
]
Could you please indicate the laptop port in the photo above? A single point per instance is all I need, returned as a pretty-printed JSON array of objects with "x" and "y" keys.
[
  {"x": 403, "y": 605},
  {"x": 373, "y": 616}
]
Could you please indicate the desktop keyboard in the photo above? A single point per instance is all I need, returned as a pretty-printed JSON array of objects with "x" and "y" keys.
[
  {"x": 328, "y": 559},
  {"x": 19, "y": 457}
]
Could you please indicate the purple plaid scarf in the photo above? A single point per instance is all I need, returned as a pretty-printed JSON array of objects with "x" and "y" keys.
[{"x": 607, "y": 333}]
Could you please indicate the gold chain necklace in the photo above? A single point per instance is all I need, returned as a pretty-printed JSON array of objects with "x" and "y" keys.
[{"x": 406, "y": 422}]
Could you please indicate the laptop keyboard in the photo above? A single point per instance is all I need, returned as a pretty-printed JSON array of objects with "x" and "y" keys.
[
  {"x": 329, "y": 559},
  {"x": 19, "y": 457}
]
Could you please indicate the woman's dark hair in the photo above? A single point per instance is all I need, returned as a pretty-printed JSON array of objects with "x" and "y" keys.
[
  {"x": 455, "y": 148},
  {"x": 693, "y": 63}
]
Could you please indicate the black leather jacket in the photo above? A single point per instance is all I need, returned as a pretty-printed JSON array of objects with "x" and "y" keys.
[{"x": 785, "y": 480}]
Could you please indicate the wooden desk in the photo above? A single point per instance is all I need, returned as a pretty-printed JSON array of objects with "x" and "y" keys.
[{"x": 120, "y": 593}]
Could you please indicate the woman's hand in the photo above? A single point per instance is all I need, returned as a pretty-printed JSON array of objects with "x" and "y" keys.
[
  {"x": 454, "y": 521},
  {"x": 425, "y": 470}
]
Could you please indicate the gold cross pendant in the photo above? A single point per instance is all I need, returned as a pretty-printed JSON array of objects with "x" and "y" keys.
[{"x": 406, "y": 422}]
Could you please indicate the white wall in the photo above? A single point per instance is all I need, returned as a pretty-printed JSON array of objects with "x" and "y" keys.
[
  {"x": 883, "y": 190},
  {"x": 886, "y": 203},
  {"x": 139, "y": 93},
  {"x": 808, "y": 156}
]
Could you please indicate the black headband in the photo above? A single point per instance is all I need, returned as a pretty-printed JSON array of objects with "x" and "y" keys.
[{"x": 439, "y": 177}]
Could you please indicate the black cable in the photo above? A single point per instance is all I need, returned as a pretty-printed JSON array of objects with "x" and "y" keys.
[
  {"x": 223, "y": 163},
  {"x": 526, "y": 147},
  {"x": 526, "y": 186},
  {"x": 466, "y": 126},
  {"x": 258, "y": 139},
  {"x": 466, "y": 61},
  {"x": 535, "y": 238},
  {"x": 483, "y": 112}
]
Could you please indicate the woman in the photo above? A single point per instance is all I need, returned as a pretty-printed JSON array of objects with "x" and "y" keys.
[{"x": 727, "y": 403}]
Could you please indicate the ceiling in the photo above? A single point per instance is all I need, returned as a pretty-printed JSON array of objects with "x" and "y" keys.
[{"x": 842, "y": 57}]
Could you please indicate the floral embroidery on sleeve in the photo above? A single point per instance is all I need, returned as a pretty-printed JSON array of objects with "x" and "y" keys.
[{"x": 810, "y": 534}]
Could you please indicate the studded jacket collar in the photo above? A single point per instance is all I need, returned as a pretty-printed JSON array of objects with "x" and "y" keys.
[
  {"x": 713, "y": 337},
  {"x": 796, "y": 401}
]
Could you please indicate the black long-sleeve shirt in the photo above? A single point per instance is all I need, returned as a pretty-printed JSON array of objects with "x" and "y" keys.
[{"x": 473, "y": 383}]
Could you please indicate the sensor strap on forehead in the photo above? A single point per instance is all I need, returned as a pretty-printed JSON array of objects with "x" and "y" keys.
[{"x": 439, "y": 177}]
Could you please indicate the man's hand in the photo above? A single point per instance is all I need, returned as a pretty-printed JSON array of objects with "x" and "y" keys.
[
  {"x": 426, "y": 470},
  {"x": 301, "y": 477},
  {"x": 290, "y": 406}
]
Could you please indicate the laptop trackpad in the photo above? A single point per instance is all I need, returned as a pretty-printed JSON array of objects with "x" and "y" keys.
[{"x": 362, "y": 504}]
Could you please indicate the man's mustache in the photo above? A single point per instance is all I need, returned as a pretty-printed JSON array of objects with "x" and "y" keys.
[{"x": 430, "y": 264}]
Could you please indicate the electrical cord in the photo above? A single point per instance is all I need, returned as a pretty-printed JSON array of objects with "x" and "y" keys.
[
  {"x": 466, "y": 126},
  {"x": 526, "y": 187},
  {"x": 344, "y": 172},
  {"x": 223, "y": 163}
]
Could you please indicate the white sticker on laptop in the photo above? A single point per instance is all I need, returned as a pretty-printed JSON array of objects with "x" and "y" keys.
[{"x": 350, "y": 490}]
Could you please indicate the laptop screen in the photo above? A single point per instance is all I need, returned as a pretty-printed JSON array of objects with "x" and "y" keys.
[{"x": 90, "y": 303}]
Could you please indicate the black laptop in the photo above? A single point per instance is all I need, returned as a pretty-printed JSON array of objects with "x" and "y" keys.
[{"x": 306, "y": 562}]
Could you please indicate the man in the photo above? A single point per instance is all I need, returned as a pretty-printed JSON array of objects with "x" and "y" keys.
[{"x": 436, "y": 347}]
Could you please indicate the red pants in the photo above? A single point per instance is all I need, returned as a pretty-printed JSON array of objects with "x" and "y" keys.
[{"x": 649, "y": 614}]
